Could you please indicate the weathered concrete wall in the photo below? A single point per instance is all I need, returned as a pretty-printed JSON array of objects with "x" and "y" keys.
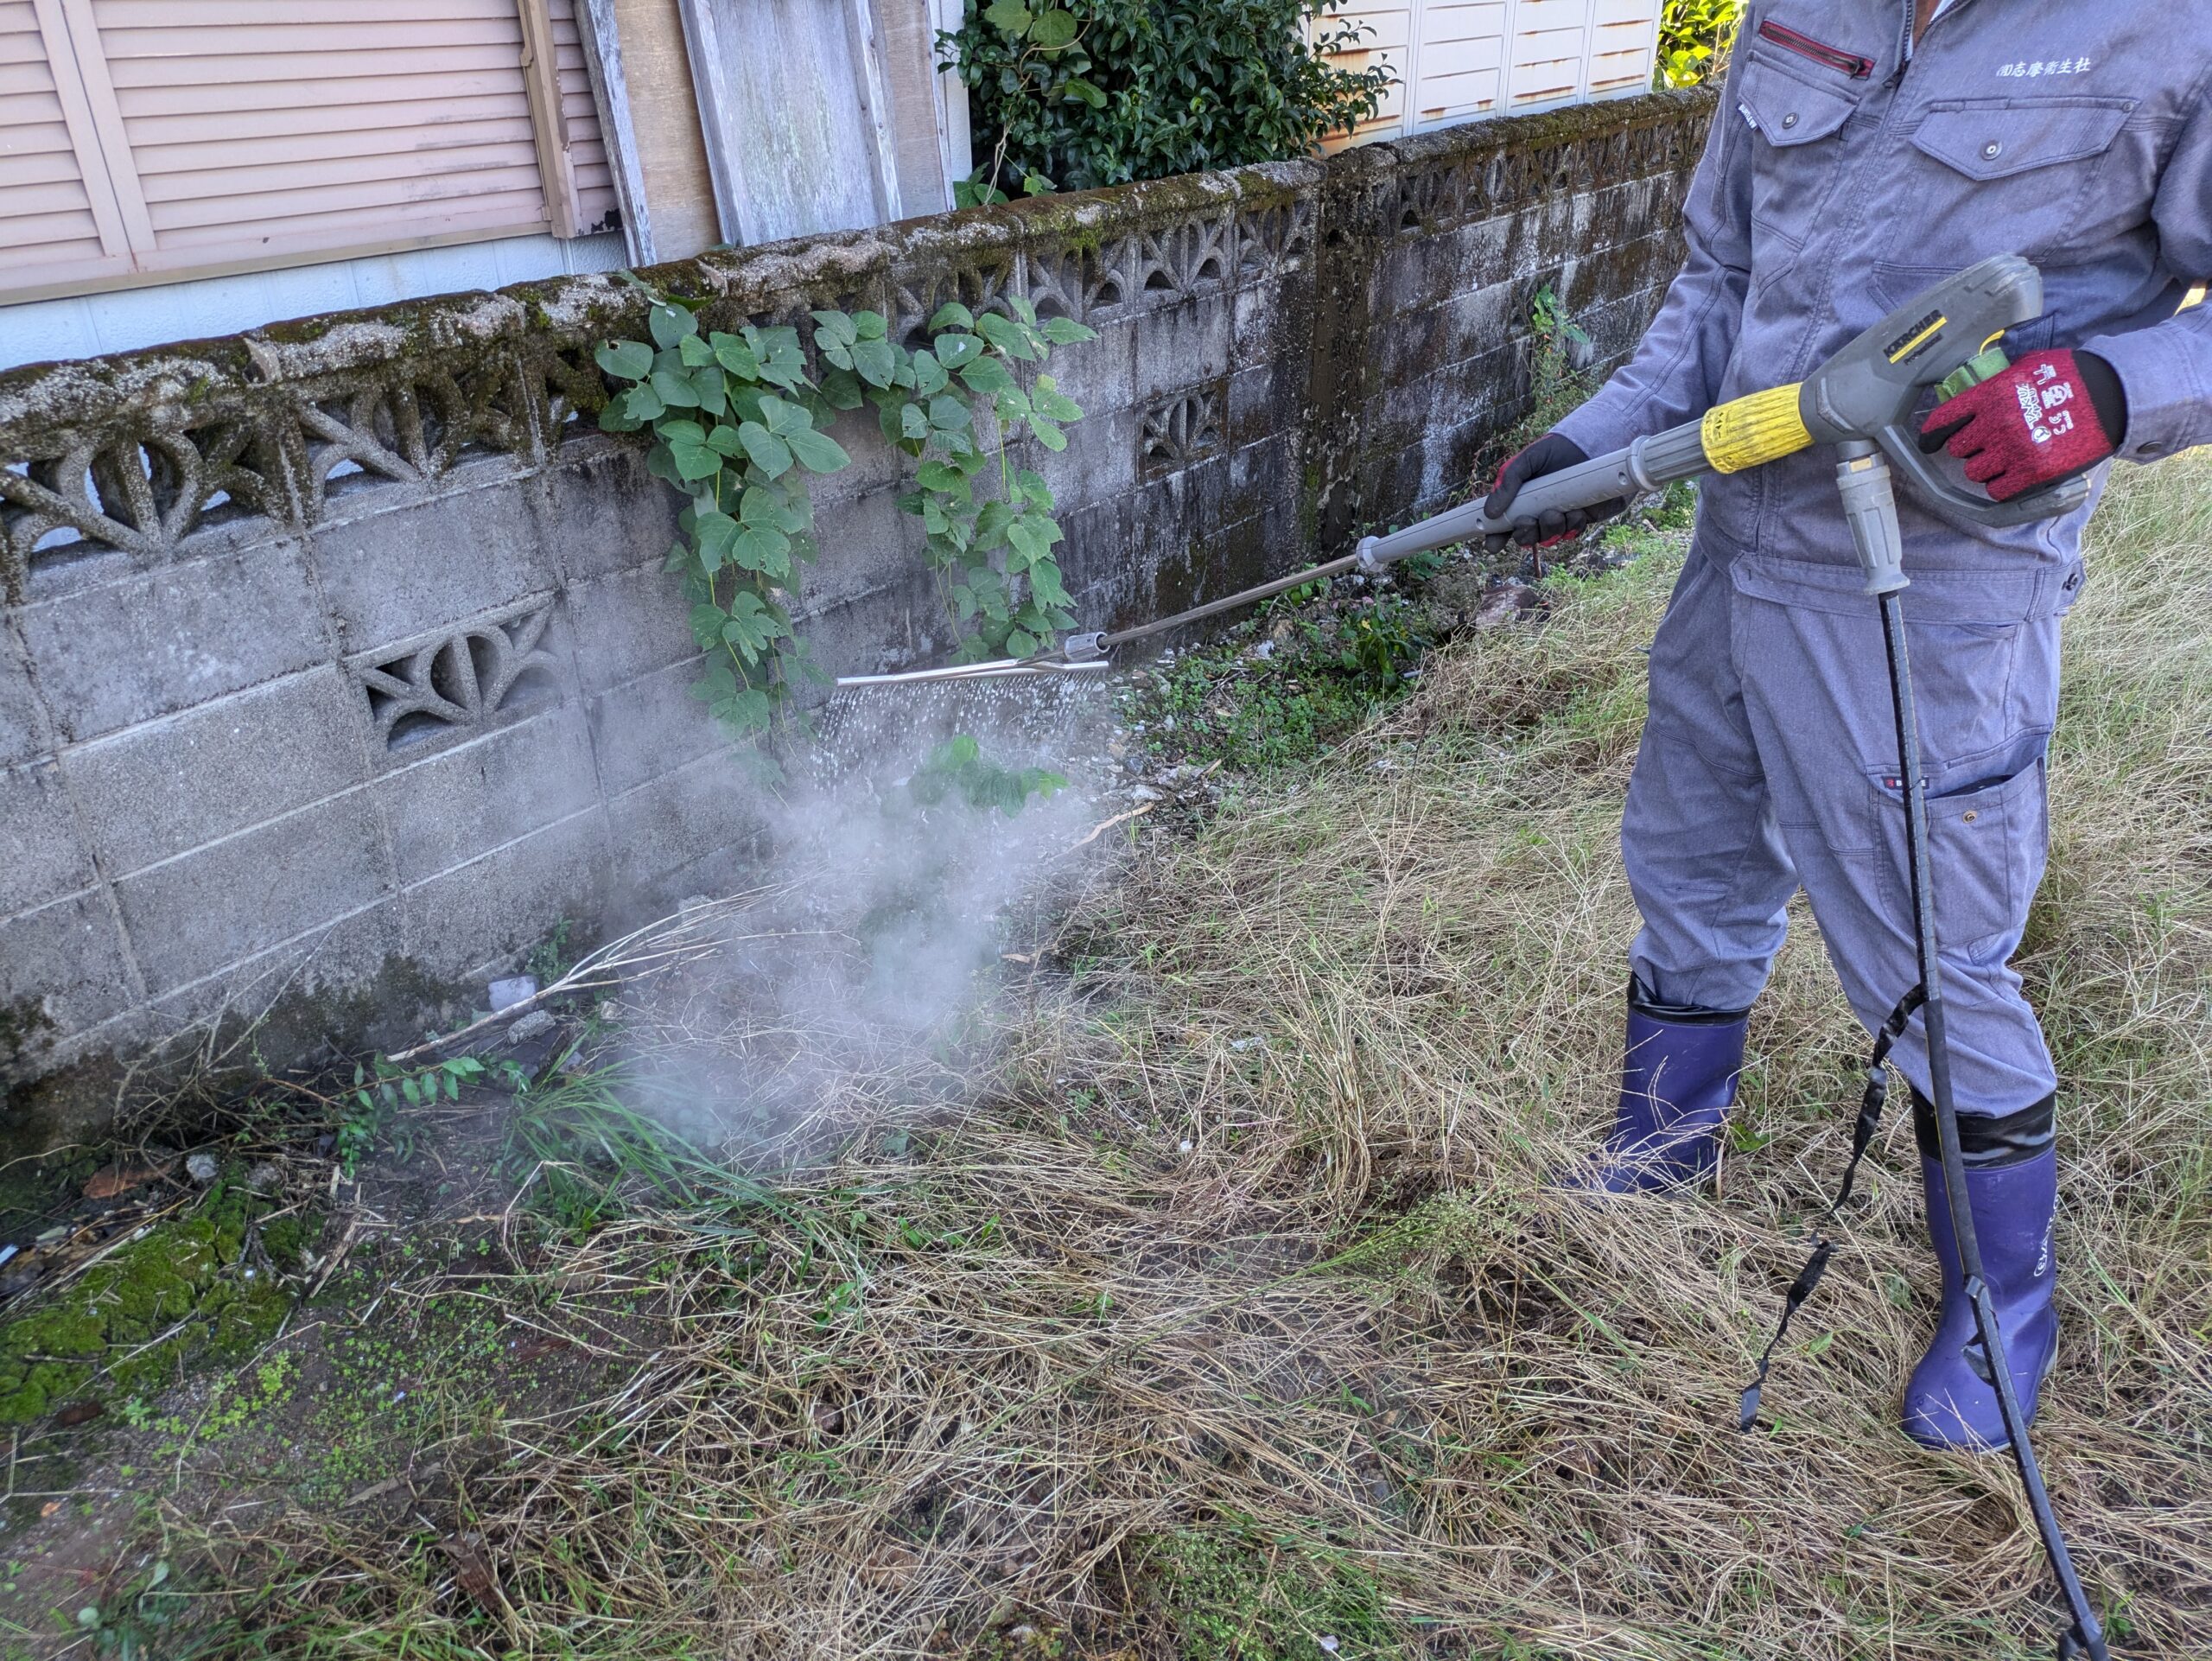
[{"x": 337, "y": 663}]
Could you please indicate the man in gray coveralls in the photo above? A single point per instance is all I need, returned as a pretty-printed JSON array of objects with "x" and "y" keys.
[{"x": 1861, "y": 149}]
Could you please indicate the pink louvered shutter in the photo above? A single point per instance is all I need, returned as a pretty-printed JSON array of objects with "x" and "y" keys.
[
  {"x": 59, "y": 222},
  {"x": 230, "y": 134}
]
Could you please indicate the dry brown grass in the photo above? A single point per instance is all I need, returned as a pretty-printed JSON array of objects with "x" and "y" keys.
[{"x": 1347, "y": 1366}]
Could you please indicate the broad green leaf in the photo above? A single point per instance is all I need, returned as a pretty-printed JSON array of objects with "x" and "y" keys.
[
  {"x": 768, "y": 452},
  {"x": 671, "y": 324},
  {"x": 835, "y": 328},
  {"x": 716, "y": 531},
  {"x": 706, "y": 627},
  {"x": 841, "y": 389},
  {"x": 724, "y": 440},
  {"x": 1047, "y": 434},
  {"x": 817, "y": 452},
  {"x": 1065, "y": 331},
  {"x": 1011, "y": 16},
  {"x": 1076, "y": 89},
  {"x": 877, "y": 361},
  {"x": 929, "y": 373},
  {"x": 759, "y": 506},
  {"x": 948, "y": 413},
  {"x": 1053, "y": 30},
  {"x": 694, "y": 351},
  {"x": 1045, "y": 584},
  {"x": 1046, "y": 400},
  {"x": 988, "y": 376},
  {"x": 1032, "y": 488},
  {"x": 706, "y": 382},
  {"x": 952, "y": 314},
  {"x": 694, "y": 460},
  {"x": 749, "y": 710},
  {"x": 1007, "y": 336},
  {"x": 1030, "y": 539},
  {"x": 954, "y": 350},
  {"x": 641, "y": 403},
  {"x": 963, "y": 601},
  {"x": 870, "y": 325},
  {"x": 1037, "y": 184},
  {"x": 783, "y": 417},
  {"x": 675, "y": 388},
  {"x": 782, "y": 364},
  {"x": 1022, "y": 309},
  {"x": 734, "y": 356},
  {"x": 764, "y": 549},
  {"x": 751, "y": 627},
  {"x": 1022, "y": 644},
  {"x": 991, "y": 523},
  {"x": 913, "y": 421},
  {"x": 936, "y": 476},
  {"x": 630, "y": 359}
]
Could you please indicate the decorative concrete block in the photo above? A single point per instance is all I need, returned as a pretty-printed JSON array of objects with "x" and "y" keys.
[
  {"x": 63, "y": 968},
  {"x": 603, "y": 513},
  {"x": 629, "y": 624},
  {"x": 1100, "y": 374},
  {"x": 1186, "y": 345},
  {"x": 22, "y": 727},
  {"x": 464, "y": 920},
  {"x": 343, "y": 982},
  {"x": 450, "y": 807},
  {"x": 156, "y": 789},
  {"x": 226, "y": 902},
  {"x": 444, "y": 688},
  {"x": 173, "y": 637},
  {"x": 645, "y": 726},
  {"x": 45, "y": 857},
  {"x": 669, "y": 823},
  {"x": 394, "y": 572}
]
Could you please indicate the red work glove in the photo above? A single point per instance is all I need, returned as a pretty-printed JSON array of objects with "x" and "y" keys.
[
  {"x": 2051, "y": 416},
  {"x": 1547, "y": 454}
]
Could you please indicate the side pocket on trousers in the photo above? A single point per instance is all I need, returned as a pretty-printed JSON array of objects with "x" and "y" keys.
[{"x": 1985, "y": 847}]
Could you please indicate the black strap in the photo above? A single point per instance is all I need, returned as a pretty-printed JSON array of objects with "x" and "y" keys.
[{"x": 1870, "y": 1103}]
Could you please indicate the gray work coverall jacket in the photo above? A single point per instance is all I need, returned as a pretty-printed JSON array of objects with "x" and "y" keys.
[{"x": 1847, "y": 170}]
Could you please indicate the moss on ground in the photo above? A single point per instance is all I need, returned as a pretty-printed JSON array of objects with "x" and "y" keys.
[{"x": 174, "y": 1292}]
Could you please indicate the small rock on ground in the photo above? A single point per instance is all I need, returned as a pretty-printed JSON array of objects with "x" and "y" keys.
[{"x": 536, "y": 1024}]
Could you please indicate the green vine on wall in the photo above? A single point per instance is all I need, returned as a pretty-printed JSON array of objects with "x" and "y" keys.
[{"x": 738, "y": 425}]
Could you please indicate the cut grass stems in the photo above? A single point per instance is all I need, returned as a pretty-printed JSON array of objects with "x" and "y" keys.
[{"x": 1233, "y": 1312}]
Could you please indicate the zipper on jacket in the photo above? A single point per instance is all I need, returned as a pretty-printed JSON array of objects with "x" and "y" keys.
[{"x": 1806, "y": 46}]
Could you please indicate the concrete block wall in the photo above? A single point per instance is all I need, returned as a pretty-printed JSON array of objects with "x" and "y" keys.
[{"x": 337, "y": 663}]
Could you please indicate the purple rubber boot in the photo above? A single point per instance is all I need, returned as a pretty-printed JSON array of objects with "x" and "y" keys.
[
  {"x": 1678, "y": 1081},
  {"x": 2013, "y": 1187}
]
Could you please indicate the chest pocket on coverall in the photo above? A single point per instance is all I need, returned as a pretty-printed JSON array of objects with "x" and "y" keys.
[
  {"x": 1990, "y": 172},
  {"x": 1795, "y": 150}
]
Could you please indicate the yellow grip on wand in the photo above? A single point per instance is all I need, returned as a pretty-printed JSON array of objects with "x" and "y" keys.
[{"x": 1747, "y": 431}]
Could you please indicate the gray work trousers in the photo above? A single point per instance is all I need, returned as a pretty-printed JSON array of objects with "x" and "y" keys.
[{"x": 1770, "y": 761}]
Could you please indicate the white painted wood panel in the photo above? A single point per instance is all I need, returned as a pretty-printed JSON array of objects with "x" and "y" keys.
[
  {"x": 1458, "y": 59},
  {"x": 797, "y": 131}
]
